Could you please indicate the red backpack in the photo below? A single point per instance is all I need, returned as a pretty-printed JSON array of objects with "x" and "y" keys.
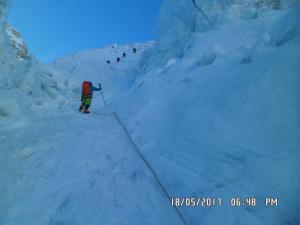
[{"x": 86, "y": 88}]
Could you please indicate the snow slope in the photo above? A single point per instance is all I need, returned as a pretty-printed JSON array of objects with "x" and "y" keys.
[
  {"x": 60, "y": 167},
  {"x": 89, "y": 179},
  {"x": 213, "y": 106},
  {"x": 116, "y": 78},
  {"x": 216, "y": 111}
]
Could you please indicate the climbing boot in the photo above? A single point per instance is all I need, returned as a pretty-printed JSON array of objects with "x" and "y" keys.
[{"x": 86, "y": 111}]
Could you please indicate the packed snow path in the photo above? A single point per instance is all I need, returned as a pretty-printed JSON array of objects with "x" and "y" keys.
[{"x": 78, "y": 169}]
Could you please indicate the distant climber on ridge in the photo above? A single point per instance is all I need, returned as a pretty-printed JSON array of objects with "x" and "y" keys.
[
  {"x": 87, "y": 95},
  {"x": 118, "y": 59},
  {"x": 134, "y": 50},
  {"x": 124, "y": 54},
  {"x": 108, "y": 61}
]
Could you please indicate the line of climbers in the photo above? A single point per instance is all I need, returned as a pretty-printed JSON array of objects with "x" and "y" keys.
[
  {"x": 88, "y": 90},
  {"x": 124, "y": 55}
]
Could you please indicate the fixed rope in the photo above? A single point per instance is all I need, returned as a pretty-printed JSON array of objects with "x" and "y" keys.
[
  {"x": 202, "y": 12},
  {"x": 149, "y": 167},
  {"x": 145, "y": 162}
]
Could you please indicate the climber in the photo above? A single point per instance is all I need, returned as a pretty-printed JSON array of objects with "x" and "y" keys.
[
  {"x": 124, "y": 54},
  {"x": 118, "y": 59},
  {"x": 108, "y": 61},
  {"x": 87, "y": 95},
  {"x": 134, "y": 50}
]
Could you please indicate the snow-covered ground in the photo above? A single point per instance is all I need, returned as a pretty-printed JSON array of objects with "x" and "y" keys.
[
  {"x": 213, "y": 105},
  {"x": 95, "y": 177}
]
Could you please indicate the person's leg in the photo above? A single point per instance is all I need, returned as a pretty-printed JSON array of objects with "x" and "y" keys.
[
  {"x": 87, "y": 105},
  {"x": 81, "y": 107},
  {"x": 83, "y": 103}
]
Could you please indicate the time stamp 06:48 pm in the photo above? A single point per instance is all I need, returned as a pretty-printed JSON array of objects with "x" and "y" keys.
[{"x": 234, "y": 202}]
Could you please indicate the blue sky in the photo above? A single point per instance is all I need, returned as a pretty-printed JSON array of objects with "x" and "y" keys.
[{"x": 54, "y": 28}]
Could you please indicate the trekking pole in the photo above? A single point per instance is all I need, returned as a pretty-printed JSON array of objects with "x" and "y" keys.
[
  {"x": 103, "y": 98},
  {"x": 102, "y": 94}
]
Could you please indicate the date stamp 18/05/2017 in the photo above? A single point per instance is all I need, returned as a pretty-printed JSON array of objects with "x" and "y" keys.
[{"x": 217, "y": 201}]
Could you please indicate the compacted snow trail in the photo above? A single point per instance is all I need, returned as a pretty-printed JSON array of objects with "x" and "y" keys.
[{"x": 77, "y": 169}]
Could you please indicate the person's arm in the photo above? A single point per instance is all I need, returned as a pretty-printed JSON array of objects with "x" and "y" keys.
[{"x": 97, "y": 89}]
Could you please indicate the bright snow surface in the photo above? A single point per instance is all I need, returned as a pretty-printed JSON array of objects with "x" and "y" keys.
[
  {"x": 78, "y": 169},
  {"x": 214, "y": 111}
]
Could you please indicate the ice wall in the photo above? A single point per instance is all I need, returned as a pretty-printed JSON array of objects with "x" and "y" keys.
[
  {"x": 26, "y": 86},
  {"x": 179, "y": 19}
]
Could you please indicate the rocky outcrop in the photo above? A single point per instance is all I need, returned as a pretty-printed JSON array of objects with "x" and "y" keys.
[{"x": 17, "y": 42}]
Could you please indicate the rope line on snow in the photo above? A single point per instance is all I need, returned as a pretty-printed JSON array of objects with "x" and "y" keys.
[
  {"x": 202, "y": 12},
  {"x": 143, "y": 159},
  {"x": 149, "y": 167}
]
